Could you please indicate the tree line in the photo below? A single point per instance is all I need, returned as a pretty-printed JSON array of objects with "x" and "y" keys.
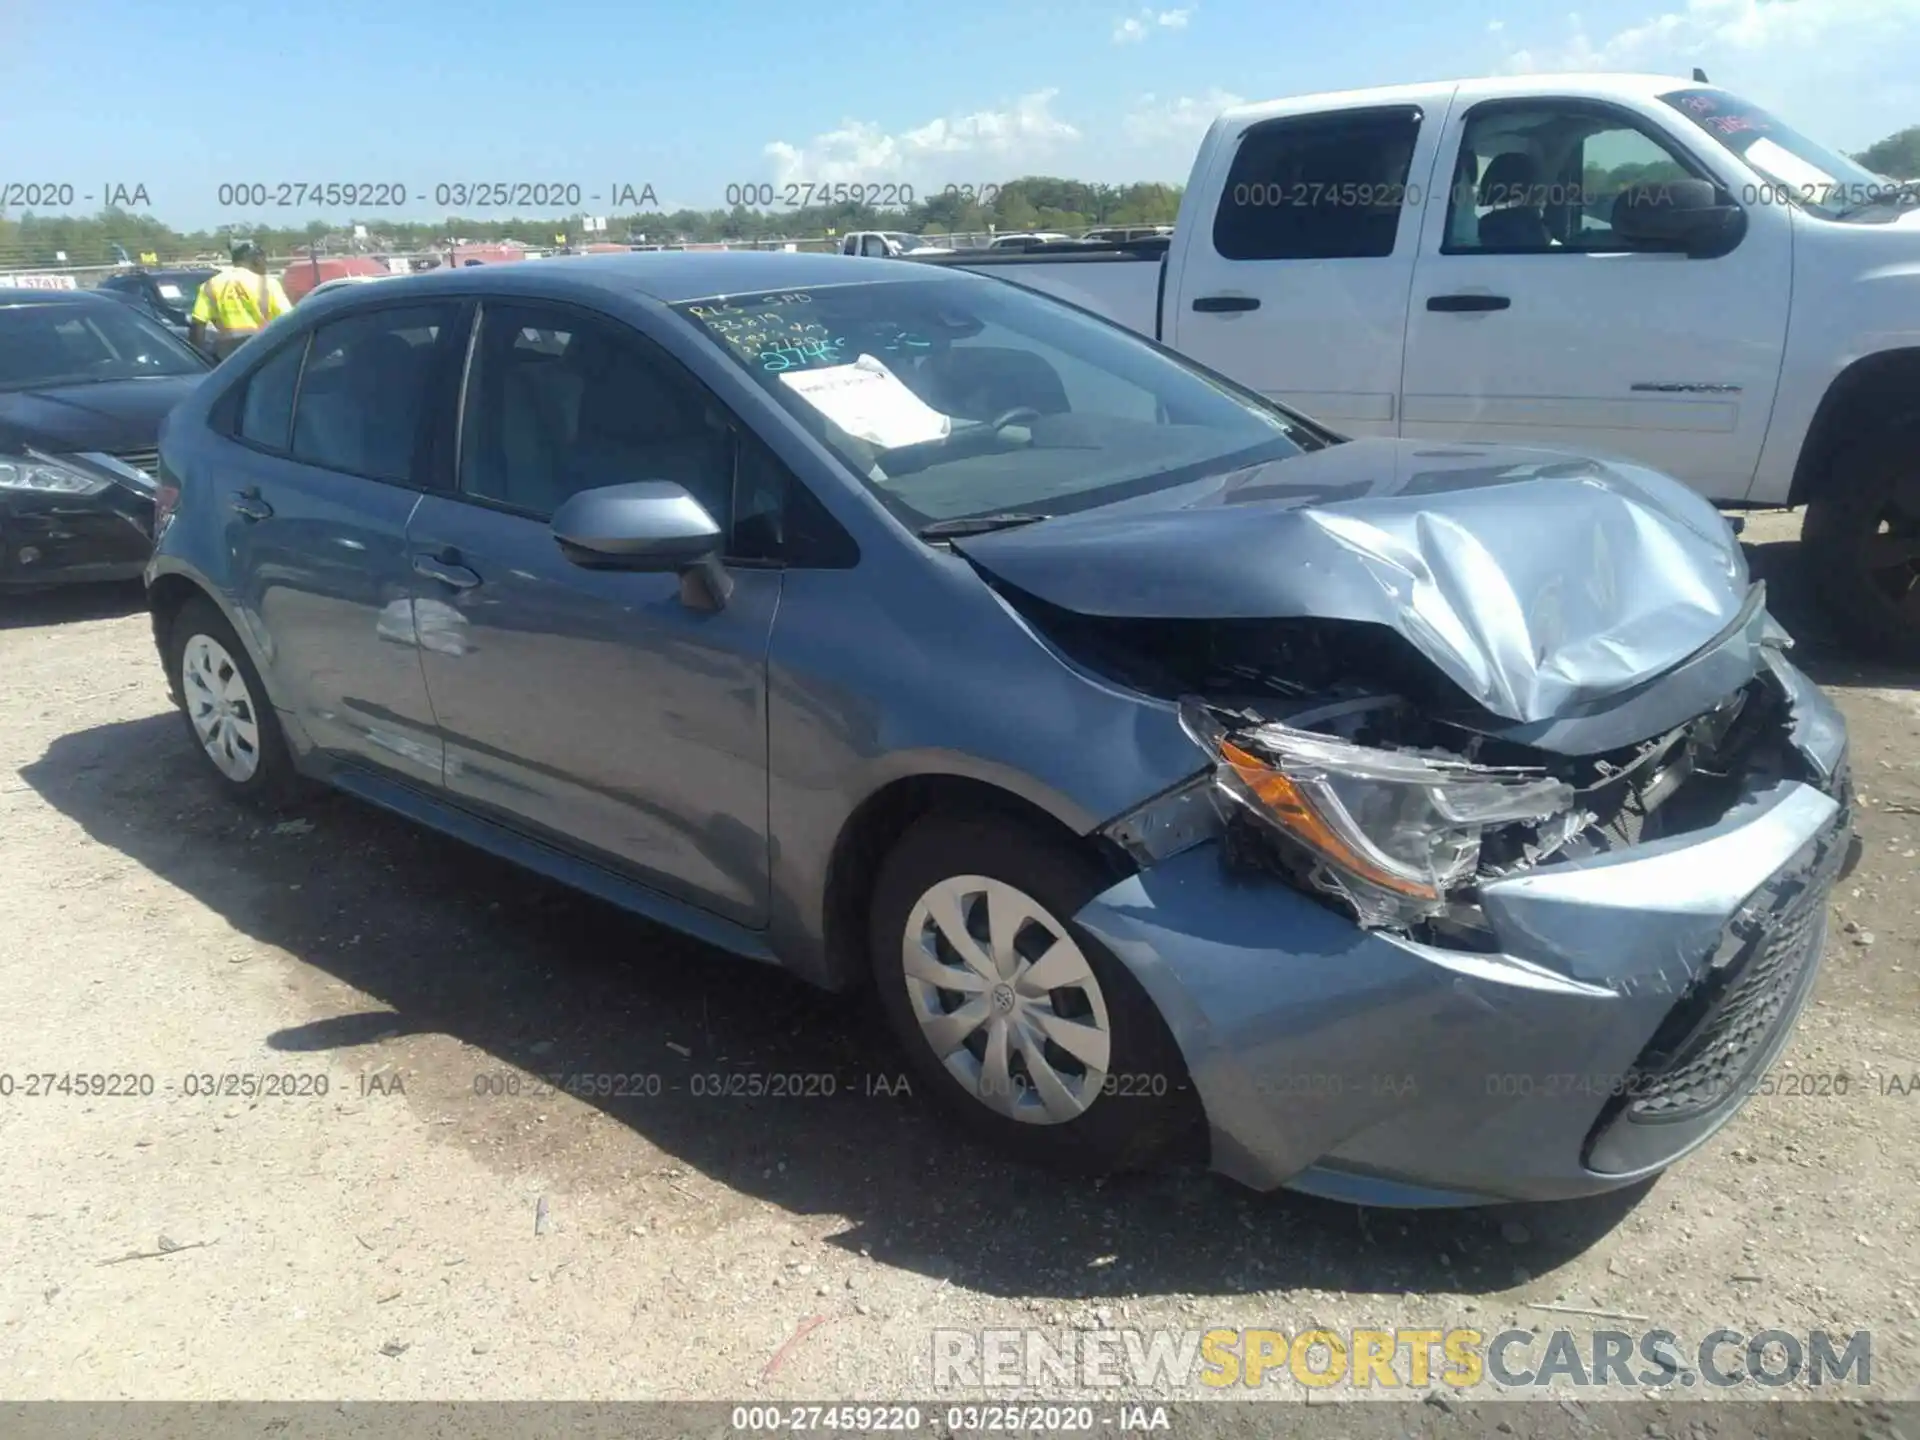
[
  {"x": 1898, "y": 155},
  {"x": 1037, "y": 202}
]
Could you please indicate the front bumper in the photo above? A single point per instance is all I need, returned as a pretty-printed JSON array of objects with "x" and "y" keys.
[
  {"x": 1634, "y": 1001},
  {"x": 70, "y": 539}
]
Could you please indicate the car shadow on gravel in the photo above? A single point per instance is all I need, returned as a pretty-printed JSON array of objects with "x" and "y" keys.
[
  {"x": 546, "y": 982},
  {"x": 1819, "y": 648},
  {"x": 33, "y": 609}
]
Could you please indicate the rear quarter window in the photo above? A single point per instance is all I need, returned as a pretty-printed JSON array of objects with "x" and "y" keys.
[{"x": 266, "y": 400}]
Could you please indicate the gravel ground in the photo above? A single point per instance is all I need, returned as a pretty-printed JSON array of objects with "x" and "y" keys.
[{"x": 418, "y": 1232}]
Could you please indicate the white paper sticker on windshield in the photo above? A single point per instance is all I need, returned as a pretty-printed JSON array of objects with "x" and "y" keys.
[
  {"x": 869, "y": 402},
  {"x": 169, "y": 292},
  {"x": 1806, "y": 180}
]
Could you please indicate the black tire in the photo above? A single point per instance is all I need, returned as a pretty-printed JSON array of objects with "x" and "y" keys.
[
  {"x": 1146, "y": 1107},
  {"x": 1871, "y": 502},
  {"x": 274, "y": 784}
]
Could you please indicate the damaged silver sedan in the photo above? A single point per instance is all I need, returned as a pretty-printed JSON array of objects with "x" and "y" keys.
[{"x": 1415, "y": 825}]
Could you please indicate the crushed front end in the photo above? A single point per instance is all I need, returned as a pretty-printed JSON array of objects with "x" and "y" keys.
[{"x": 1419, "y": 953}]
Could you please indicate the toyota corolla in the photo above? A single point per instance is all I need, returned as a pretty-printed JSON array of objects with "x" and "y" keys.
[{"x": 1419, "y": 825}]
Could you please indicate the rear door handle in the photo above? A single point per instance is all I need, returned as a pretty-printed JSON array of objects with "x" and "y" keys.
[
  {"x": 248, "y": 504},
  {"x": 1459, "y": 303},
  {"x": 1221, "y": 304},
  {"x": 446, "y": 570}
]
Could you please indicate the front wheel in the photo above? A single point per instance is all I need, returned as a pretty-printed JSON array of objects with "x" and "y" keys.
[
  {"x": 1027, "y": 1029},
  {"x": 1861, "y": 542}
]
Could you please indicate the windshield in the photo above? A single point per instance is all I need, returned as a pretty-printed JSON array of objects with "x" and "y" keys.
[
  {"x": 953, "y": 399},
  {"x": 1801, "y": 171},
  {"x": 178, "y": 292},
  {"x": 77, "y": 344}
]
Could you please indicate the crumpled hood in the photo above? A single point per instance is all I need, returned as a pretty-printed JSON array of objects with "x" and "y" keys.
[
  {"x": 1535, "y": 580},
  {"x": 111, "y": 415}
]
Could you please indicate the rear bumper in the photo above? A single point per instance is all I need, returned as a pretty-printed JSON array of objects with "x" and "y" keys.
[
  {"x": 64, "y": 539},
  {"x": 1634, "y": 1002}
]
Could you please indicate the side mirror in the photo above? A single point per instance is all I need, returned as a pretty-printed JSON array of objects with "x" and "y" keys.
[
  {"x": 1690, "y": 216},
  {"x": 651, "y": 526}
]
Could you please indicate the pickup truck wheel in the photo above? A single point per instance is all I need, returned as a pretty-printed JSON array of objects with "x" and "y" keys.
[
  {"x": 1034, "y": 1036},
  {"x": 228, "y": 715},
  {"x": 1861, "y": 539}
]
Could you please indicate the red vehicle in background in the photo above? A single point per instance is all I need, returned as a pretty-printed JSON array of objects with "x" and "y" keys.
[
  {"x": 488, "y": 254},
  {"x": 302, "y": 275}
]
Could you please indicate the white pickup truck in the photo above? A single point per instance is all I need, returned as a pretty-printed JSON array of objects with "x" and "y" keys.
[{"x": 1621, "y": 265}]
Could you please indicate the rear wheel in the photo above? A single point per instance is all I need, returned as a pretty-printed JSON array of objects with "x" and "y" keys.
[
  {"x": 1861, "y": 540},
  {"x": 232, "y": 723},
  {"x": 1023, "y": 1026}
]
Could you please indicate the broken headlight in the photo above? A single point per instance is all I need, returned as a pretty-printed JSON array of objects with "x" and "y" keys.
[{"x": 1391, "y": 831}]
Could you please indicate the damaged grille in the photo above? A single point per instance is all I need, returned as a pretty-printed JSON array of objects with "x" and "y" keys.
[{"x": 1707, "y": 1048}]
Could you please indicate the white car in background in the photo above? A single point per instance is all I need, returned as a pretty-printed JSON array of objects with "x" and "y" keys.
[
  {"x": 889, "y": 244},
  {"x": 1023, "y": 238}
]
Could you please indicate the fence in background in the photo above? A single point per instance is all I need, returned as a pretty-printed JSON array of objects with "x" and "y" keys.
[{"x": 16, "y": 263}]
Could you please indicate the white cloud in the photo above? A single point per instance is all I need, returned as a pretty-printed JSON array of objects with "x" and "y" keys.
[
  {"x": 1135, "y": 28},
  {"x": 1016, "y": 137},
  {"x": 1730, "y": 31},
  {"x": 1181, "y": 120},
  {"x": 1840, "y": 70}
]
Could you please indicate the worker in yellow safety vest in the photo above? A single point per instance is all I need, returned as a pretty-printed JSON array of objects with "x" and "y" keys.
[{"x": 236, "y": 303}]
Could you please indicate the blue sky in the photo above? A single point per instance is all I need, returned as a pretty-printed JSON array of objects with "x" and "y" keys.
[{"x": 691, "y": 97}]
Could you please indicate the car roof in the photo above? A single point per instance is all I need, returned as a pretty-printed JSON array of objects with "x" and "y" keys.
[
  {"x": 1594, "y": 84},
  {"x": 27, "y": 295},
  {"x": 673, "y": 276}
]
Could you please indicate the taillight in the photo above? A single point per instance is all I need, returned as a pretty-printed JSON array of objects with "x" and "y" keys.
[{"x": 165, "y": 498}]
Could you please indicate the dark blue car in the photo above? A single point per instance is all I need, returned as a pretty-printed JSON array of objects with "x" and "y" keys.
[
  {"x": 84, "y": 385},
  {"x": 1417, "y": 825}
]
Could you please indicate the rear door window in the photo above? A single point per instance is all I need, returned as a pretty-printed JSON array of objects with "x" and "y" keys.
[
  {"x": 266, "y": 404},
  {"x": 364, "y": 397},
  {"x": 1319, "y": 187}
]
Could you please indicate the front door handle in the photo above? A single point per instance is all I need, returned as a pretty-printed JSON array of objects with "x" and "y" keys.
[
  {"x": 1465, "y": 303},
  {"x": 445, "y": 569},
  {"x": 1225, "y": 304},
  {"x": 248, "y": 505}
]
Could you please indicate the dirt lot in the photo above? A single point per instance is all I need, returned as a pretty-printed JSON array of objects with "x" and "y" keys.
[{"x": 410, "y": 1233}]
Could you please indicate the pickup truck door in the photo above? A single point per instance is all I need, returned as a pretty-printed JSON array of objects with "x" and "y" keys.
[
  {"x": 1531, "y": 321},
  {"x": 1296, "y": 284}
]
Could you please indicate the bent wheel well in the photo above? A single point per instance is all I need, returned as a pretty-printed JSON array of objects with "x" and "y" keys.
[
  {"x": 876, "y": 826},
  {"x": 1873, "y": 398},
  {"x": 166, "y": 598}
]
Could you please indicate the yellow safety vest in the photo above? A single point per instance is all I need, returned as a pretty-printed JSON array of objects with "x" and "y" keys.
[{"x": 237, "y": 300}]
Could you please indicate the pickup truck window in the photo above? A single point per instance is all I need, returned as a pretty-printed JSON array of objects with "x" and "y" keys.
[
  {"x": 1543, "y": 177},
  {"x": 1798, "y": 171},
  {"x": 1319, "y": 187},
  {"x": 952, "y": 398}
]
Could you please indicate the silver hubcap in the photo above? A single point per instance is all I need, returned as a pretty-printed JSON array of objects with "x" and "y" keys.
[
  {"x": 1006, "y": 1000},
  {"x": 220, "y": 708}
]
